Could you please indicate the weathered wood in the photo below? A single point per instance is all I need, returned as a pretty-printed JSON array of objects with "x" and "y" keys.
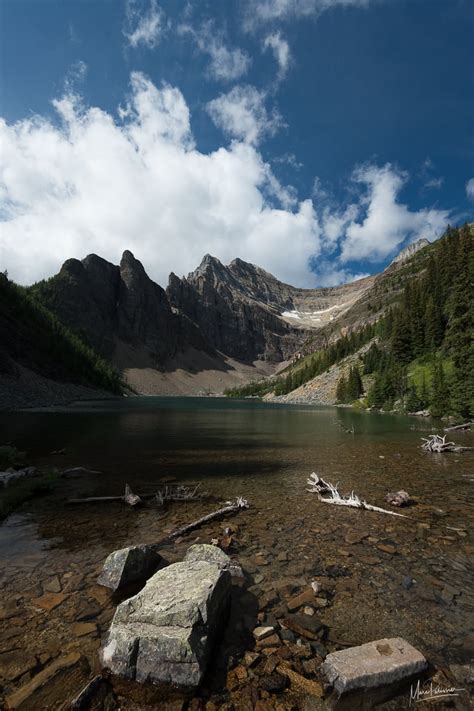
[
  {"x": 328, "y": 494},
  {"x": 168, "y": 493},
  {"x": 437, "y": 444},
  {"x": 239, "y": 504},
  {"x": 464, "y": 426},
  {"x": 130, "y": 498}
]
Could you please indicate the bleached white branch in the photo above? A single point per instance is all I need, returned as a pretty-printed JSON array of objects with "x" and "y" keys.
[{"x": 328, "y": 494}]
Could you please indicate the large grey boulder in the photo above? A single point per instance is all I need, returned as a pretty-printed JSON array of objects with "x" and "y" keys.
[
  {"x": 129, "y": 565},
  {"x": 165, "y": 633},
  {"x": 211, "y": 554},
  {"x": 373, "y": 664}
]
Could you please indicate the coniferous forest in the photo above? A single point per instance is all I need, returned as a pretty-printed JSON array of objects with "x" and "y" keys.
[{"x": 421, "y": 353}]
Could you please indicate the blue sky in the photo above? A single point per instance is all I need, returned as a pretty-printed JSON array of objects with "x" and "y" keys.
[{"x": 313, "y": 137}]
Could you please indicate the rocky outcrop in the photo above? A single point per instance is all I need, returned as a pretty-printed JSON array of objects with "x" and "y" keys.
[
  {"x": 120, "y": 312},
  {"x": 129, "y": 565},
  {"x": 165, "y": 633},
  {"x": 410, "y": 250},
  {"x": 229, "y": 315},
  {"x": 374, "y": 664},
  {"x": 250, "y": 315}
]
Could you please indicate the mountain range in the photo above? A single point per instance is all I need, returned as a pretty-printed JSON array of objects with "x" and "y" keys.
[{"x": 221, "y": 326}]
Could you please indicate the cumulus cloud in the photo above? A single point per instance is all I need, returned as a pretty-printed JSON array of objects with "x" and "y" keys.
[
  {"x": 225, "y": 63},
  {"x": 382, "y": 223},
  {"x": 470, "y": 189},
  {"x": 96, "y": 182},
  {"x": 144, "y": 24},
  {"x": 259, "y": 11},
  {"x": 281, "y": 51},
  {"x": 93, "y": 181},
  {"x": 242, "y": 114}
]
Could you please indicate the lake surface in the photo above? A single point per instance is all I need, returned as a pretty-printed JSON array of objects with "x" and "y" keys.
[{"x": 386, "y": 576}]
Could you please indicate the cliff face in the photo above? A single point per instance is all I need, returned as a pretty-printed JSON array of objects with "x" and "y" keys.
[
  {"x": 250, "y": 315},
  {"x": 236, "y": 316},
  {"x": 104, "y": 304}
]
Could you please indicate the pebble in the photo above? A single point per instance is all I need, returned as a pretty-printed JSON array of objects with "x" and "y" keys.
[{"x": 261, "y": 632}]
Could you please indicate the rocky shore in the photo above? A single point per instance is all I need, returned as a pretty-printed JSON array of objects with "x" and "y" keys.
[{"x": 27, "y": 389}]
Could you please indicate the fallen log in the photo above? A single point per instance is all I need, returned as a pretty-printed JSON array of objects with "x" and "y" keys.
[
  {"x": 163, "y": 495},
  {"x": 230, "y": 508},
  {"x": 328, "y": 494},
  {"x": 464, "y": 426}
]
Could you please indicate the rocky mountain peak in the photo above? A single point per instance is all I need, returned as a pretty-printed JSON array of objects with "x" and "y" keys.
[{"x": 410, "y": 250}]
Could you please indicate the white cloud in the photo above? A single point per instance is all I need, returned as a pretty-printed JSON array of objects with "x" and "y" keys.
[
  {"x": 100, "y": 183},
  {"x": 143, "y": 26},
  {"x": 281, "y": 51},
  {"x": 470, "y": 189},
  {"x": 103, "y": 183},
  {"x": 225, "y": 63},
  {"x": 382, "y": 223},
  {"x": 242, "y": 114},
  {"x": 259, "y": 11}
]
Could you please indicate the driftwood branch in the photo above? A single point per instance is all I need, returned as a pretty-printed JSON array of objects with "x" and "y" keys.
[
  {"x": 130, "y": 498},
  {"x": 436, "y": 443},
  {"x": 230, "y": 508},
  {"x": 328, "y": 494},
  {"x": 455, "y": 428},
  {"x": 170, "y": 492}
]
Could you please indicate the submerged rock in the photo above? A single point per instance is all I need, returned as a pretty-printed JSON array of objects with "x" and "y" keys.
[
  {"x": 129, "y": 565},
  {"x": 373, "y": 664},
  {"x": 165, "y": 633}
]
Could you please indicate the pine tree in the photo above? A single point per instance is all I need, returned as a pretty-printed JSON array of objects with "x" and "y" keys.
[
  {"x": 440, "y": 393},
  {"x": 341, "y": 389}
]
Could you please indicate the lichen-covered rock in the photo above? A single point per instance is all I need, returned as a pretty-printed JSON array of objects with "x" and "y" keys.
[
  {"x": 211, "y": 554},
  {"x": 165, "y": 633},
  {"x": 129, "y": 565},
  {"x": 373, "y": 664}
]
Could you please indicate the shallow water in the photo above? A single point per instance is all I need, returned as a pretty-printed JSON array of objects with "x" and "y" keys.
[{"x": 265, "y": 453}]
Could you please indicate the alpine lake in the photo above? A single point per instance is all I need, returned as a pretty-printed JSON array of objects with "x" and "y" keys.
[{"x": 380, "y": 575}]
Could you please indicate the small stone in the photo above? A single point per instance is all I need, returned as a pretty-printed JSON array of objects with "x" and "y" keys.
[
  {"x": 302, "y": 599},
  {"x": 272, "y": 641},
  {"x": 387, "y": 548},
  {"x": 261, "y": 632},
  {"x": 49, "y": 601},
  {"x": 308, "y": 611},
  {"x": 313, "y": 688},
  {"x": 355, "y": 536},
  {"x": 282, "y": 557},
  {"x": 52, "y": 585},
  {"x": 81, "y": 629},
  {"x": 251, "y": 658},
  {"x": 373, "y": 664},
  {"x": 273, "y": 683},
  {"x": 316, "y": 586}
]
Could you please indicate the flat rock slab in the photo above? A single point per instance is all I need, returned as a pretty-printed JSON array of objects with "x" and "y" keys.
[
  {"x": 165, "y": 633},
  {"x": 129, "y": 565},
  {"x": 373, "y": 664}
]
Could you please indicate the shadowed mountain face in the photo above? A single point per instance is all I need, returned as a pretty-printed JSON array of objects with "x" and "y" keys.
[
  {"x": 248, "y": 314},
  {"x": 109, "y": 306}
]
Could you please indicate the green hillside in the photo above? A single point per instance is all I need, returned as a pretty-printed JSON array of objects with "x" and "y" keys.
[
  {"x": 30, "y": 335},
  {"x": 421, "y": 318}
]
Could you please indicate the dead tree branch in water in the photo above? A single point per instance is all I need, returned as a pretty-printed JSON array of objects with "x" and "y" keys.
[
  {"x": 328, "y": 494},
  {"x": 168, "y": 492},
  {"x": 436, "y": 443},
  {"x": 464, "y": 426},
  {"x": 230, "y": 508}
]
